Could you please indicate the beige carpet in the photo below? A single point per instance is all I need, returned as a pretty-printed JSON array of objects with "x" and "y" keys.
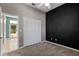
[{"x": 44, "y": 49}]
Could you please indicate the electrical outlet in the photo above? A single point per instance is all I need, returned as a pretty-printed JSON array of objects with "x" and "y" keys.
[
  {"x": 56, "y": 39},
  {"x": 51, "y": 38}
]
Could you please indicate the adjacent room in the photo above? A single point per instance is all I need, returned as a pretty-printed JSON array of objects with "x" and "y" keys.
[{"x": 39, "y": 29}]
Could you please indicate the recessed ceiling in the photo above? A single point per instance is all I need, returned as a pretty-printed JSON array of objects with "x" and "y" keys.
[{"x": 44, "y": 8}]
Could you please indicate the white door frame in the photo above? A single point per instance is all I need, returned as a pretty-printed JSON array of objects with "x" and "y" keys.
[
  {"x": 1, "y": 31},
  {"x": 10, "y": 15},
  {"x": 17, "y": 17}
]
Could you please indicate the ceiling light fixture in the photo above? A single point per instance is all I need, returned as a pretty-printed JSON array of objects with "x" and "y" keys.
[{"x": 45, "y": 4}]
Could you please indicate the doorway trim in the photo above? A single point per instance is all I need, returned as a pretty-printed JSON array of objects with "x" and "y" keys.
[{"x": 13, "y": 16}]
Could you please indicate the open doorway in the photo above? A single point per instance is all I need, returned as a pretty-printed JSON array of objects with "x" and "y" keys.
[{"x": 10, "y": 33}]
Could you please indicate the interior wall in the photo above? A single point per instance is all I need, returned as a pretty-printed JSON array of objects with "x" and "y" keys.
[
  {"x": 62, "y": 25},
  {"x": 21, "y": 10},
  {"x": 0, "y": 32}
]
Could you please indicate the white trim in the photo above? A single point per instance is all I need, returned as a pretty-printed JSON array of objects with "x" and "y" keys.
[
  {"x": 18, "y": 31},
  {"x": 62, "y": 46},
  {"x": 1, "y": 40},
  {"x": 28, "y": 45},
  {"x": 11, "y": 15},
  {"x": 25, "y": 46},
  {"x": 52, "y": 43},
  {"x": 2, "y": 32},
  {"x": 5, "y": 14}
]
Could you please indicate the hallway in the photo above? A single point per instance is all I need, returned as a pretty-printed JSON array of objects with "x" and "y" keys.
[{"x": 10, "y": 45}]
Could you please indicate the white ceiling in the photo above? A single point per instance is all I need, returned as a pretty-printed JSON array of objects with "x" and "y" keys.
[{"x": 44, "y": 8}]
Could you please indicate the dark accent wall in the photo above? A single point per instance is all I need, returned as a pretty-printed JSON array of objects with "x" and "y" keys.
[{"x": 62, "y": 25}]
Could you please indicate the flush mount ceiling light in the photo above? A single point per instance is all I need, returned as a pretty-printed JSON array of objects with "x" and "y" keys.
[
  {"x": 45, "y": 4},
  {"x": 41, "y": 4}
]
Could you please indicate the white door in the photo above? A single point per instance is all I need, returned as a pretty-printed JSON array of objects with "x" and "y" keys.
[{"x": 32, "y": 31}]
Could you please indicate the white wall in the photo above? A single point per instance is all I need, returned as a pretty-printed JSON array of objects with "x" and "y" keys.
[
  {"x": 1, "y": 31},
  {"x": 32, "y": 31},
  {"x": 23, "y": 10}
]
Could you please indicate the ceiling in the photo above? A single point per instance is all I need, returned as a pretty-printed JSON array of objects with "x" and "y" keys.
[{"x": 44, "y": 8}]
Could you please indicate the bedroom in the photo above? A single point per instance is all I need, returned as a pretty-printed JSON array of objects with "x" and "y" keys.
[{"x": 44, "y": 30}]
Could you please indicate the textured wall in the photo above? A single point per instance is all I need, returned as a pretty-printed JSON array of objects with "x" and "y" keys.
[
  {"x": 63, "y": 25},
  {"x": 26, "y": 11}
]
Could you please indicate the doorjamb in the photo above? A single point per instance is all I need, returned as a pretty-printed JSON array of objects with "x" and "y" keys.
[{"x": 17, "y": 17}]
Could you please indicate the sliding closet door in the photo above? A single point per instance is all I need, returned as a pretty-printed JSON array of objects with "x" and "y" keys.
[{"x": 32, "y": 31}]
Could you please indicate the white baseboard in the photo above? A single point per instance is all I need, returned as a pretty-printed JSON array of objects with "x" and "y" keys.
[
  {"x": 28, "y": 45},
  {"x": 55, "y": 44},
  {"x": 23, "y": 47},
  {"x": 51, "y": 43},
  {"x": 62, "y": 46}
]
